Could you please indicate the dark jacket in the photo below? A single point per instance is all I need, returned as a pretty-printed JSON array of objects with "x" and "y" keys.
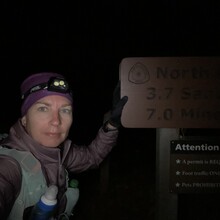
[{"x": 54, "y": 162}]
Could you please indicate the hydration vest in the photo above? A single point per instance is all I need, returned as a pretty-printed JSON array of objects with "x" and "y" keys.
[{"x": 34, "y": 185}]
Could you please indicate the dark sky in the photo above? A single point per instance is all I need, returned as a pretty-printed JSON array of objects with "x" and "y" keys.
[{"x": 86, "y": 40}]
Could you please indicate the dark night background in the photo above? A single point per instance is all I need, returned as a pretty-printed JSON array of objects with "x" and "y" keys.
[{"x": 86, "y": 41}]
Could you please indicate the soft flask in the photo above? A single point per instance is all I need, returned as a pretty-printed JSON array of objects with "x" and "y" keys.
[{"x": 44, "y": 208}]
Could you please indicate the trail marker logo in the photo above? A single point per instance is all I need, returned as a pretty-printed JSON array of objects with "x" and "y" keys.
[{"x": 139, "y": 74}]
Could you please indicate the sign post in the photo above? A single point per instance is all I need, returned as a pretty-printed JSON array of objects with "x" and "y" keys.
[
  {"x": 171, "y": 93},
  {"x": 167, "y": 203}
]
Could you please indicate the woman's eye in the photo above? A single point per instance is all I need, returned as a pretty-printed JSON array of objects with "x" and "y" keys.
[
  {"x": 66, "y": 111},
  {"x": 42, "y": 109}
]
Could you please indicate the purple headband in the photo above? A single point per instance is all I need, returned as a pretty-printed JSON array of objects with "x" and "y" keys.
[{"x": 40, "y": 85}]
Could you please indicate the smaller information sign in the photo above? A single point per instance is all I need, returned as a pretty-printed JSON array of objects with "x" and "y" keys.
[{"x": 195, "y": 166}]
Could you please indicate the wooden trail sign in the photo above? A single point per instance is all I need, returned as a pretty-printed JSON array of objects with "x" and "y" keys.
[{"x": 171, "y": 92}]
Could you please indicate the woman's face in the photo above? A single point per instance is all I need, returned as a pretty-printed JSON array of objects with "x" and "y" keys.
[{"x": 48, "y": 120}]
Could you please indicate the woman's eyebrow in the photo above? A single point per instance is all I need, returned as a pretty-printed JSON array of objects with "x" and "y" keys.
[{"x": 42, "y": 103}]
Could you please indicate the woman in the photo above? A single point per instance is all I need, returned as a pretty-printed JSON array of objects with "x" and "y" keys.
[{"x": 37, "y": 152}]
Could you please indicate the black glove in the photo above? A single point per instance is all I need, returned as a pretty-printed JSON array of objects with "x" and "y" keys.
[{"x": 117, "y": 107}]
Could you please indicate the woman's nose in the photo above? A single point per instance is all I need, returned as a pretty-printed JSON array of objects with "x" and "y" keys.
[{"x": 55, "y": 120}]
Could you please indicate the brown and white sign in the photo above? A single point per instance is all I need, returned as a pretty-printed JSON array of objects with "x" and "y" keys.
[{"x": 171, "y": 92}]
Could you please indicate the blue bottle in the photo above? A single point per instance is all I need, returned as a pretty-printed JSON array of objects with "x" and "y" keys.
[{"x": 44, "y": 208}]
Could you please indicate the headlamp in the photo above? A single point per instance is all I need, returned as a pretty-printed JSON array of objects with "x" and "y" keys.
[{"x": 55, "y": 84}]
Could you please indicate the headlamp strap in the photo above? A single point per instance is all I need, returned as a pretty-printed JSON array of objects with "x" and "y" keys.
[{"x": 34, "y": 89}]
